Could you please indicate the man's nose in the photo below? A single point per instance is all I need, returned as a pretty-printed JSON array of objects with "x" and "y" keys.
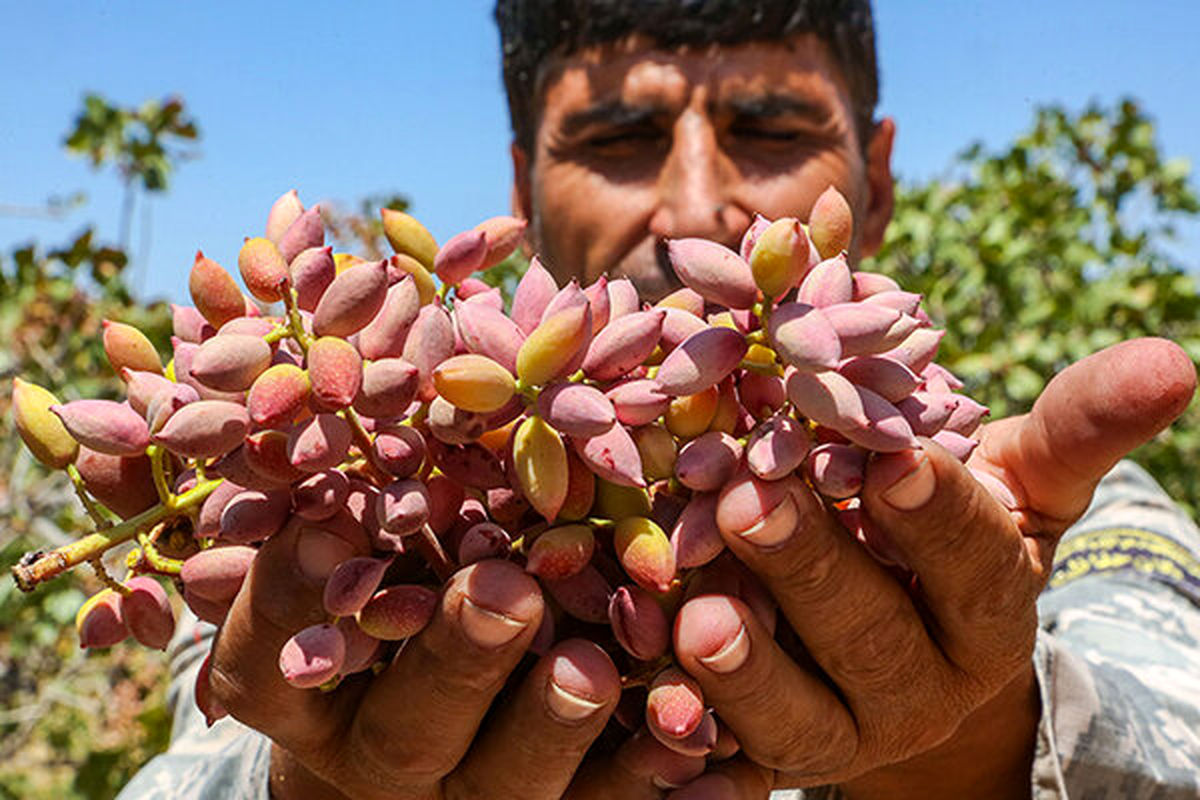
[{"x": 695, "y": 184}]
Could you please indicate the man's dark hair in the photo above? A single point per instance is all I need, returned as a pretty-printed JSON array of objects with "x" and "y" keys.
[{"x": 532, "y": 31}]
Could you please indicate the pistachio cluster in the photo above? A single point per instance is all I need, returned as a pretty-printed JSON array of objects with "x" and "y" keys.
[{"x": 606, "y": 445}]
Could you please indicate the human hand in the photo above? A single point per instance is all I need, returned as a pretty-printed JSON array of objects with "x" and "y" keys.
[
  {"x": 896, "y": 679},
  {"x": 418, "y": 728}
]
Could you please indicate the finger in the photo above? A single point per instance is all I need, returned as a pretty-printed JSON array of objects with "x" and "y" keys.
[
  {"x": 282, "y": 594},
  {"x": 783, "y": 716},
  {"x": 641, "y": 769},
  {"x": 978, "y": 577},
  {"x": 1089, "y": 416},
  {"x": 420, "y": 714},
  {"x": 533, "y": 747},
  {"x": 857, "y": 622},
  {"x": 736, "y": 779}
]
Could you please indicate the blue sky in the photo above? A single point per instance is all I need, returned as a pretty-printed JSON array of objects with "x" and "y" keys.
[{"x": 406, "y": 96}]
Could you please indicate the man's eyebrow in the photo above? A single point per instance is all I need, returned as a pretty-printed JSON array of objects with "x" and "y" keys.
[
  {"x": 610, "y": 112},
  {"x": 775, "y": 104}
]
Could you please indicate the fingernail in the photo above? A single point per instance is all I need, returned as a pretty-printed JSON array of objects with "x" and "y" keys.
[
  {"x": 571, "y": 690},
  {"x": 486, "y": 628},
  {"x": 711, "y": 629},
  {"x": 708, "y": 787},
  {"x": 997, "y": 488},
  {"x": 319, "y": 552},
  {"x": 731, "y": 656},
  {"x": 915, "y": 485},
  {"x": 566, "y": 706},
  {"x": 776, "y": 527}
]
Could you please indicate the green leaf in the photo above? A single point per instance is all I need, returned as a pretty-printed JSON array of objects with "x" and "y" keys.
[{"x": 1038, "y": 253}]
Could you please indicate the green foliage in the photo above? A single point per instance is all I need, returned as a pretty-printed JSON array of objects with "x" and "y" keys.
[
  {"x": 139, "y": 141},
  {"x": 51, "y": 308},
  {"x": 1050, "y": 249},
  {"x": 360, "y": 231},
  {"x": 73, "y": 724},
  {"x": 143, "y": 144},
  {"x": 507, "y": 274}
]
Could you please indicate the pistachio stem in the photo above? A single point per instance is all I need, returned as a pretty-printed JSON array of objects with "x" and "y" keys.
[
  {"x": 643, "y": 674},
  {"x": 106, "y": 579},
  {"x": 295, "y": 323},
  {"x": 363, "y": 440},
  {"x": 89, "y": 505},
  {"x": 157, "y": 561},
  {"x": 431, "y": 549},
  {"x": 763, "y": 312},
  {"x": 773, "y": 370},
  {"x": 528, "y": 393},
  {"x": 278, "y": 334},
  {"x": 158, "y": 467},
  {"x": 40, "y": 567}
]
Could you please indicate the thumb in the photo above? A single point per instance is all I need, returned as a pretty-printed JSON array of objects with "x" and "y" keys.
[{"x": 1088, "y": 418}]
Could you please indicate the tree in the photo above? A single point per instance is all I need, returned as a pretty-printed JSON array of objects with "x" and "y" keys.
[
  {"x": 144, "y": 144},
  {"x": 74, "y": 725},
  {"x": 1052, "y": 248}
]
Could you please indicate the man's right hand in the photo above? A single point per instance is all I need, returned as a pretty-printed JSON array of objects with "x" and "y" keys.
[
  {"x": 416, "y": 730},
  {"x": 924, "y": 687}
]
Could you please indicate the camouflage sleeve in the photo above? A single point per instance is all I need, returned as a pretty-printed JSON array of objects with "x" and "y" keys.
[
  {"x": 225, "y": 762},
  {"x": 1119, "y": 658}
]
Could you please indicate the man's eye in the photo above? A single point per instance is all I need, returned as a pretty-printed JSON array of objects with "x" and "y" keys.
[
  {"x": 759, "y": 133},
  {"x": 623, "y": 139}
]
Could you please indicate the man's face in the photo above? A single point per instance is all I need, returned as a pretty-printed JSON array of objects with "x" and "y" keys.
[{"x": 638, "y": 145}]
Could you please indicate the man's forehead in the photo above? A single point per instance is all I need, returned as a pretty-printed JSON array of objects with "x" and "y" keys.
[{"x": 636, "y": 71}]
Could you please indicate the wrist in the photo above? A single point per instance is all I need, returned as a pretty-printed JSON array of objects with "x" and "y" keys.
[
  {"x": 291, "y": 780},
  {"x": 989, "y": 756}
]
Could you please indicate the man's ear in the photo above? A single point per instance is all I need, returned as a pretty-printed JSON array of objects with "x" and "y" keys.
[
  {"x": 881, "y": 197},
  {"x": 522, "y": 198}
]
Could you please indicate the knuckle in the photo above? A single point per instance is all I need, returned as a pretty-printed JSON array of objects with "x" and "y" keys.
[
  {"x": 458, "y": 786},
  {"x": 996, "y": 662},
  {"x": 812, "y": 573},
  {"x": 918, "y": 722},
  {"x": 382, "y": 758},
  {"x": 998, "y": 589},
  {"x": 1003, "y": 633},
  {"x": 459, "y": 678},
  {"x": 230, "y": 691},
  {"x": 882, "y": 654},
  {"x": 914, "y": 739},
  {"x": 814, "y": 749},
  {"x": 246, "y": 703},
  {"x": 954, "y": 527}
]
